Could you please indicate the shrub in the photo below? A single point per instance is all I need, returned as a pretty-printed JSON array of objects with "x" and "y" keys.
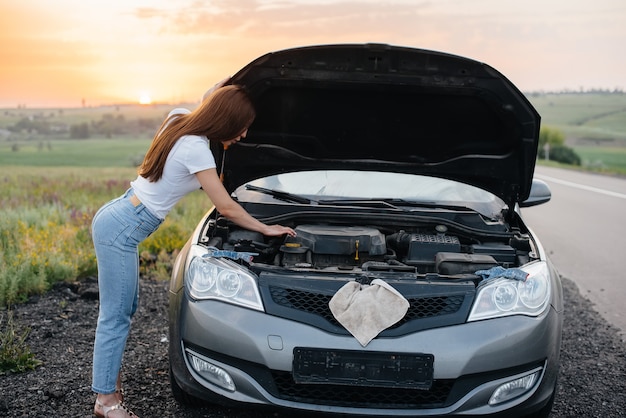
[
  {"x": 557, "y": 150},
  {"x": 168, "y": 238},
  {"x": 15, "y": 355},
  {"x": 565, "y": 155}
]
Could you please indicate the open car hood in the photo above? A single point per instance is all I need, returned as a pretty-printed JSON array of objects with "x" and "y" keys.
[{"x": 385, "y": 108}]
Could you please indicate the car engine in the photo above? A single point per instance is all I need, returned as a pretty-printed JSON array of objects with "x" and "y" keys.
[{"x": 353, "y": 248}]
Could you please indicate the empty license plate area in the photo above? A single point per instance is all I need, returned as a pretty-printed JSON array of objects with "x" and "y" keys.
[{"x": 363, "y": 368}]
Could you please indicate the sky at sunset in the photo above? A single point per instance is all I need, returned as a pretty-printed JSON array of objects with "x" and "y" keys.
[{"x": 66, "y": 53}]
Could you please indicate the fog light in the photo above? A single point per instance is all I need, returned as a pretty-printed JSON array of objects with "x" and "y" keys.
[
  {"x": 513, "y": 389},
  {"x": 213, "y": 373}
]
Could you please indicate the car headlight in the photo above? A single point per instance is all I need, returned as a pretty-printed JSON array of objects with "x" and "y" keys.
[
  {"x": 220, "y": 279},
  {"x": 504, "y": 297}
]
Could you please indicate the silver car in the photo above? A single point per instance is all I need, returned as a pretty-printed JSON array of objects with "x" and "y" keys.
[{"x": 413, "y": 286}]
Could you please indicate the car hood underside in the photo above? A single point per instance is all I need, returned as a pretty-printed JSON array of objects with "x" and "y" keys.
[{"x": 385, "y": 108}]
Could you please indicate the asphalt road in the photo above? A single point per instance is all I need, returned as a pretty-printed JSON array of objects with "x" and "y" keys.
[{"x": 583, "y": 229}]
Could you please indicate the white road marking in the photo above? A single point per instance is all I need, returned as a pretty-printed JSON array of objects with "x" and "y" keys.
[{"x": 581, "y": 186}]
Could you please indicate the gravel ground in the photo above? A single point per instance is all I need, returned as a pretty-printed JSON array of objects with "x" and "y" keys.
[{"x": 62, "y": 322}]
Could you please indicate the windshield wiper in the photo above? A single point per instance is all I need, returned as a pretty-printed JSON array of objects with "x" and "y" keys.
[
  {"x": 370, "y": 203},
  {"x": 277, "y": 194},
  {"x": 435, "y": 205},
  {"x": 391, "y": 203}
]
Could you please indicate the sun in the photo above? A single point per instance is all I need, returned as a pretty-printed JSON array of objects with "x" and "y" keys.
[{"x": 144, "y": 98}]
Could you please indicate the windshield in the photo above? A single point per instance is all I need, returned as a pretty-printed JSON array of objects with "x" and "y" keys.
[{"x": 337, "y": 184}]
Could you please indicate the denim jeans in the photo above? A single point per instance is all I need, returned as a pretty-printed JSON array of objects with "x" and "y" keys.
[{"x": 117, "y": 229}]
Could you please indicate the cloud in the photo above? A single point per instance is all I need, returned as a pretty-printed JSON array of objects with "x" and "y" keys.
[
  {"x": 110, "y": 49},
  {"x": 534, "y": 42},
  {"x": 291, "y": 19}
]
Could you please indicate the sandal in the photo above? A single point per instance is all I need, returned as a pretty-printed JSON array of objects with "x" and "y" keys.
[{"x": 107, "y": 409}]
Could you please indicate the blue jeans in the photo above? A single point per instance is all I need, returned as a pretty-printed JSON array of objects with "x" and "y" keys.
[{"x": 117, "y": 229}]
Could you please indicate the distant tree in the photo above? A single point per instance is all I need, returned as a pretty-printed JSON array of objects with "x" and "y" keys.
[
  {"x": 553, "y": 141},
  {"x": 80, "y": 131},
  {"x": 550, "y": 136},
  {"x": 110, "y": 125},
  {"x": 30, "y": 125}
]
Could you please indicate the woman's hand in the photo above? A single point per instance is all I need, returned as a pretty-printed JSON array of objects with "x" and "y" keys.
[
  {"x": 277, "y": 230},
  {"x": 215, "y": 87},
  {"x": 215, "y": 190}
]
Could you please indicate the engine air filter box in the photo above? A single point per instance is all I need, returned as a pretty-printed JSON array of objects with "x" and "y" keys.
[
  {"x": 461, "y": 263},
  {"x": 423, "y": 248},
  {"x": 501, "y": 252}
]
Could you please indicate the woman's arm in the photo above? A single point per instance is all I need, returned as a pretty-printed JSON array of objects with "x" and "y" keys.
[{"x": 214, "y": 188}]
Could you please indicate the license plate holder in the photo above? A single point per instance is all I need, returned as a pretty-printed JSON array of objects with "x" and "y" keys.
[{"x": 363, "y": 368}]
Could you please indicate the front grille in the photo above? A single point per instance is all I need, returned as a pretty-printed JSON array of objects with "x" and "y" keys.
[
  {"x": 317, "y": 304},
  {"x": 362, "y": 397},
  {"x": 433, "y": 306}
]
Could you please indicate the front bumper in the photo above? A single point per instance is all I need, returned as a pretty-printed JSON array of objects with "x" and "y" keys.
[{"x": 256, "y": 350}]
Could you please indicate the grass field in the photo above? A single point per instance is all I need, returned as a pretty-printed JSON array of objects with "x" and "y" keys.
[
  {"x": 45, "y": 216},
  {"x": 590, "y": 119},
  {"x": 603, "y": 159},
  {"x": 115, "y": 152}
]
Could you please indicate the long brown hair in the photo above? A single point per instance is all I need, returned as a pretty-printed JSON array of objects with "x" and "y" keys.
[{"x": 224, "y": 115}]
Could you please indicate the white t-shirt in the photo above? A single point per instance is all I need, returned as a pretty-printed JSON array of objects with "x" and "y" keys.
[{"x": 190, "y": 154}]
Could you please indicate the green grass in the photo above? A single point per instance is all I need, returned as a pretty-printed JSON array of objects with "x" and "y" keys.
[
  {"x": 603, "y": 159},
  {"x": 115, "y": 152},
  {"x": 599, "y": 118},
  {"x": 45, "y": 219}
]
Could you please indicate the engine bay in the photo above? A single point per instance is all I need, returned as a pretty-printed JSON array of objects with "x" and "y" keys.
[{"x": 423, "y": 249}]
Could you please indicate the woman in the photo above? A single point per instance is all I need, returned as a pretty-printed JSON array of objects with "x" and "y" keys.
[{"x": 179, "y": 161}]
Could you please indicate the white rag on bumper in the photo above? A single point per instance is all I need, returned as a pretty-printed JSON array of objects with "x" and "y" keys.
[{"x": 366, "y": 310}]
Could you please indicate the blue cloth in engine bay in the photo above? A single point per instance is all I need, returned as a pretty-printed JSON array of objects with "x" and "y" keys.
[
  {"x": 234, "y": 255},
  {"x": 506, "y": 273}
]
